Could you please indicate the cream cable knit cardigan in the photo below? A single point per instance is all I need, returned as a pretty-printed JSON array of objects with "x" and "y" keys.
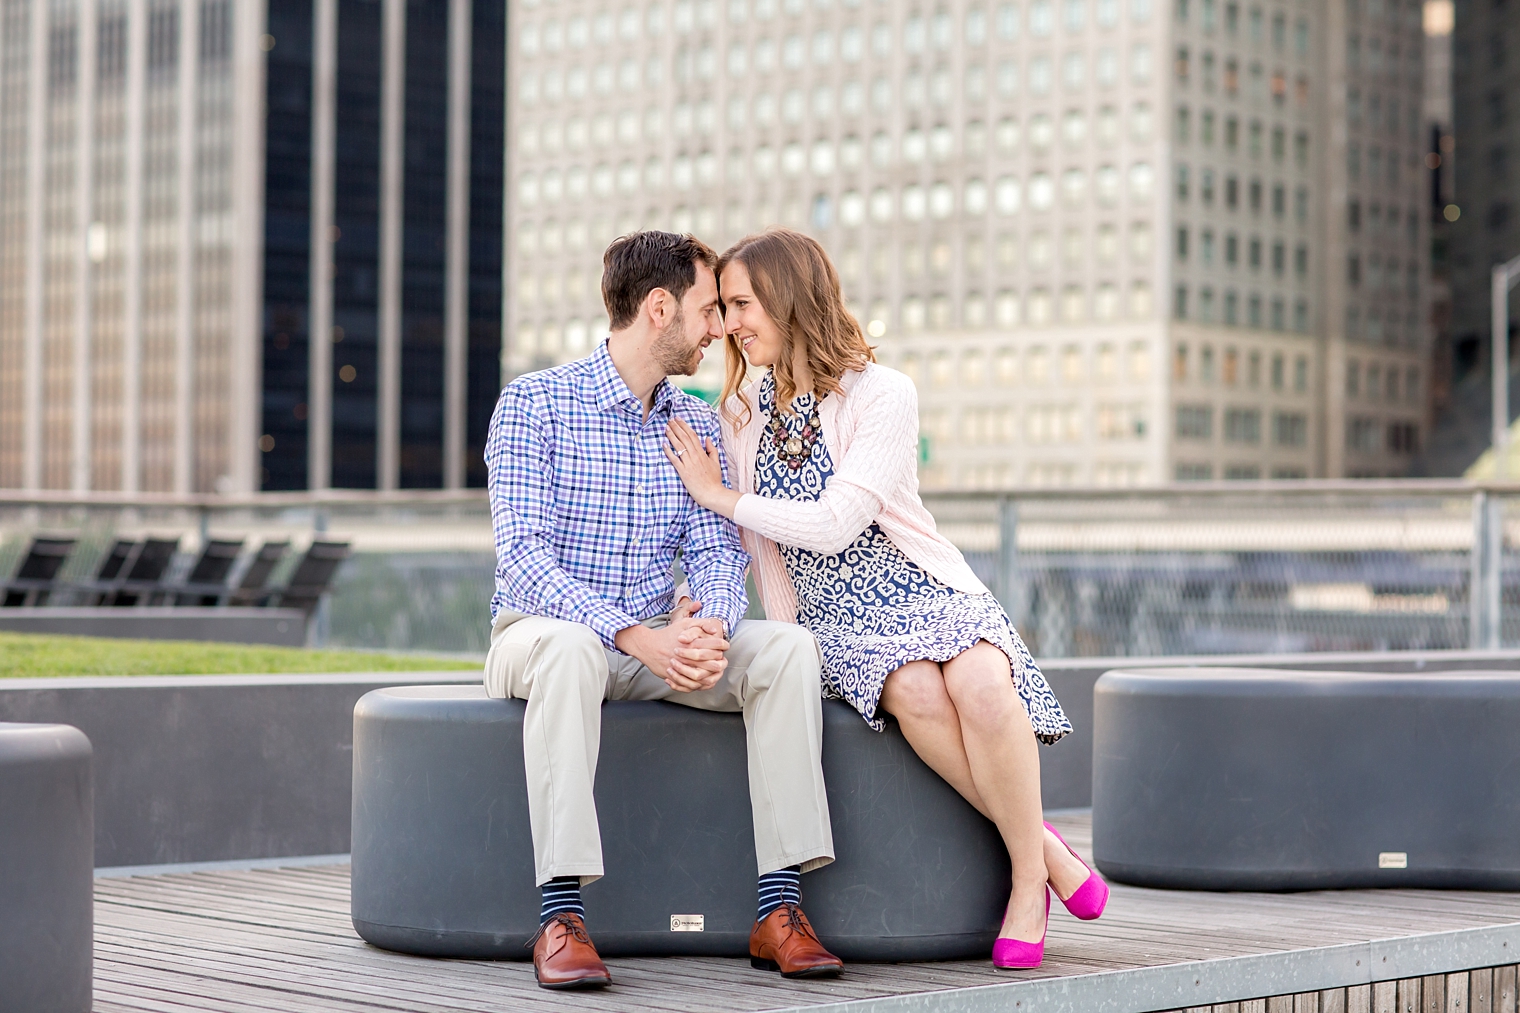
[{"x": 871, "y": 428}]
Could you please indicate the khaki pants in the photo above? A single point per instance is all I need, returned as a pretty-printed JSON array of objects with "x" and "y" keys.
[{"x": 564, "y": 673}]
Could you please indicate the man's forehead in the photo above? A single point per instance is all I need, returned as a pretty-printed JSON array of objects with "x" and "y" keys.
[{"x": 705, "y": 287}]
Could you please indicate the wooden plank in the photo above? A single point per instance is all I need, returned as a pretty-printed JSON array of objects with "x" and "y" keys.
[
  {"x": 1458, "y": 989},
  {"x": 1480, "y": 990},
  {"x": 1359, "y": 999},
  {"x": 1433, "y": 994},
  {"x": 1409, "y": 996},
  {"x": 1504, "y": 989}
]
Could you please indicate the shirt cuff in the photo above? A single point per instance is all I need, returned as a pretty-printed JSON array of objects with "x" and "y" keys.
[
  {"x": 728, "y": 608},
  {"x": 606, "y": 622}
]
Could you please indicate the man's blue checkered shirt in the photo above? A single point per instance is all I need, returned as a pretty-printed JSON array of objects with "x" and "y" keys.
[{"x": 588, "y": 513}]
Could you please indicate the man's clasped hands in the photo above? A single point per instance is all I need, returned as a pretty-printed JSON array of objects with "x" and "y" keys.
[{"x": 689, "y": 653}]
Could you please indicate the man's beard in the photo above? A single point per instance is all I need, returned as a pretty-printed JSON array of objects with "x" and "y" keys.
[{"x": 672, "y": 352}]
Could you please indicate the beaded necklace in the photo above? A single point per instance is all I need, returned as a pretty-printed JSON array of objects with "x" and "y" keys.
[{"x": 794, "y": 450}]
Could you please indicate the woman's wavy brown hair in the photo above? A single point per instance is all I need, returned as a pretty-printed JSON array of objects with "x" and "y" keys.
[{"x": 799, "y": 289}]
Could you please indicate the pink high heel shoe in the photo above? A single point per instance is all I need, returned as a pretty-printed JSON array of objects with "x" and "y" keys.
[
  {"x": 1017, "y": 955},
  {"x": 1091, "y": 897}
]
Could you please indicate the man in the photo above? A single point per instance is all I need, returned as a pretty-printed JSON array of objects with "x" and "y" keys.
[{"x": 588, "y": 515}]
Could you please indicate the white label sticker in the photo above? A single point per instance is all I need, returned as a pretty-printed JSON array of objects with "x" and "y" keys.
[
  {"x": 1393, "y": 860},
  {"x": 688, "y": 923}
]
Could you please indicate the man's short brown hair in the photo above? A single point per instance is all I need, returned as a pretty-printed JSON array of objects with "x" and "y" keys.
[{"x": 638, "y": 263}]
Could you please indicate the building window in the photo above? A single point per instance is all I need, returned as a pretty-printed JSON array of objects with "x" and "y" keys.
[
  {"x": 1242, "y": 472},
  {"x": 1242, "y": 425},
  {"x": 1277, "y": 371},
  {"x": 1195, "y": 422},
  {"x": 1290, "y": 429},
  {"x": 1364, "y": 435},
  {"x": 1194, "y": 472},
  {"x": 1301, "y": 374},
  {"x": 1403, "y": 438}
]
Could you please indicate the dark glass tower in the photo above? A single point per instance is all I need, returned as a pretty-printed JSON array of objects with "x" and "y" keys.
[
  {"x": 287, "y": 246},
  {"x": 383, "y": 59}
]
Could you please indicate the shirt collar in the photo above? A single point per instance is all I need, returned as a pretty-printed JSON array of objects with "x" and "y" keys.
[{"x": 610, "y": 390}]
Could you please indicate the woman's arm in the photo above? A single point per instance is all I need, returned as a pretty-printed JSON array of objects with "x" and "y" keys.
[{"x": 882, "y": 455}]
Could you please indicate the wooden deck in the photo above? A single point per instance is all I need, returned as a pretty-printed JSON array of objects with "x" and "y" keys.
[{"x": 280, "y": 939}]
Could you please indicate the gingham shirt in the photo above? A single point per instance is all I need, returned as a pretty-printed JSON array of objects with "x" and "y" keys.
[{"x": 588, "y": 513}]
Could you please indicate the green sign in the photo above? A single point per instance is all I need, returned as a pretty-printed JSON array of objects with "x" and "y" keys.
[{"x": 710, "y": 396}]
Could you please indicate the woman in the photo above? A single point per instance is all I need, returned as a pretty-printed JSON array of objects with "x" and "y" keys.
[{"x": 824, "y": 448}]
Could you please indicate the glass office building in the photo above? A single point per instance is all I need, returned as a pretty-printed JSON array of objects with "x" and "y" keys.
[{"x": 192, "y": 191}]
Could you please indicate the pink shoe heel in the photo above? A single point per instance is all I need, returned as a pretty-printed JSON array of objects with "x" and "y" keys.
[
  {"x": 1091, "y": 897},
  {"x": 1017, "y": 955}
]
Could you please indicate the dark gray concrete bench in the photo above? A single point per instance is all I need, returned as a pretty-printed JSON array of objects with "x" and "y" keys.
[
  {"x": 443, "y": 858},
  {"x": 1257, "y": 779},
  {"x": 47, "y": 841}
]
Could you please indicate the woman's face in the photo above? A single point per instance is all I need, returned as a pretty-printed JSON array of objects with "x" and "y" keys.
[{"x": 746, "y": 320}]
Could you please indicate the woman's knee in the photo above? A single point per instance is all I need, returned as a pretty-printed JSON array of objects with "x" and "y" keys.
[
  {"x": 980, "y": 684},
  {"x": 917, "y": 690}
]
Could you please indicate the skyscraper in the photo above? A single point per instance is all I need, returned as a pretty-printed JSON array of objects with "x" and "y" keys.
[
  {"x": 1486, "y": 102},
  {"x": 189, "y": 189},
  {"x": 1113, "y": 241}
]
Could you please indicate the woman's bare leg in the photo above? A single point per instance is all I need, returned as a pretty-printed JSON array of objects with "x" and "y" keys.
[
  {"x": 1005, "y": 766},
  {"x": 917, "y": 696}
]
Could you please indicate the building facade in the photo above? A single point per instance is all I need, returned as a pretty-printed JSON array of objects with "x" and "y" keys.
[
  {"x": 1115, "y": 242},
  {"x": 1486, "y": 108},
  {"x": 191, "y": 188}
]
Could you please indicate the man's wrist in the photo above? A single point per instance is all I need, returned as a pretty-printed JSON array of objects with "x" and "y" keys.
[{"x": 629, "y": 639}]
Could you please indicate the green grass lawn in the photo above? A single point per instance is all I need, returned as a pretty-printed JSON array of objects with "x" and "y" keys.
[{"x": 24, "y": 655}]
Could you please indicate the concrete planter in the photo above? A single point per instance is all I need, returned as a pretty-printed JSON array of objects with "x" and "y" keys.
[{"x": 235, "y": 767}]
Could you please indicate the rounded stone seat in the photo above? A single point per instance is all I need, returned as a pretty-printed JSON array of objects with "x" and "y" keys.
[
  {"x": 1256, "y": 779},
  {"x": 47, "y": 860},
  {"x": 443, "y": 857}
]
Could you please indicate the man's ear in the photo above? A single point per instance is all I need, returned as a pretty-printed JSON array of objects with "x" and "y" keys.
[{"x": 660, "y": 306}]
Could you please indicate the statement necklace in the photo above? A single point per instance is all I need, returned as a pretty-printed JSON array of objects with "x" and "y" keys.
[{"x": 793, "y": 450}]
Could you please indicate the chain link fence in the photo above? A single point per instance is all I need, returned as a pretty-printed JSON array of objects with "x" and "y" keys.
[{"x": 1224, "y": 569}]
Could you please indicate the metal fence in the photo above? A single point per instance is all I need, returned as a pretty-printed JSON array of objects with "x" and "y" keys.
[{"x": 1205, "y": 569}]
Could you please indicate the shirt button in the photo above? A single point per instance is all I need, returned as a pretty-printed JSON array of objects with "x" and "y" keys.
[{"x": 639, "y": 488}]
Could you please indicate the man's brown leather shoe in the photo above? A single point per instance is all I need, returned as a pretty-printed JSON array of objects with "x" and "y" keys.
[
  {"x": 563, "y": 956},
  {"x": 784, "y": 941}
]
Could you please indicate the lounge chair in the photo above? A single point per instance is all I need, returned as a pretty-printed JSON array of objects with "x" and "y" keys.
[
  {"x": 252, "y": 587},
  {"x": 33, "y": 582},
  {"x": 207, "y": 583},
  {"x": 313, "y": 576},
  {"x": 143, "y": 581}
]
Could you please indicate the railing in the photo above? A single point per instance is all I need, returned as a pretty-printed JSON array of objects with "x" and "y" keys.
[{"x": 1228, "y": 567}]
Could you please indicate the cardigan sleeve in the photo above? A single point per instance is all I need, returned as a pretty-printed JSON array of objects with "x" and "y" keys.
[{"x": 882, "y": 456}]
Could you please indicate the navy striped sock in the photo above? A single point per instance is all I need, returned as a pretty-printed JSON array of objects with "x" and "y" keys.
[
  {"x": 561, "y": 894},
  {"x": 778, "y": 888}
]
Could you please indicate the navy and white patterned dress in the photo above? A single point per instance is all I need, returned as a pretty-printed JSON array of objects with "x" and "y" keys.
[{"x": 872, "y": 608}]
